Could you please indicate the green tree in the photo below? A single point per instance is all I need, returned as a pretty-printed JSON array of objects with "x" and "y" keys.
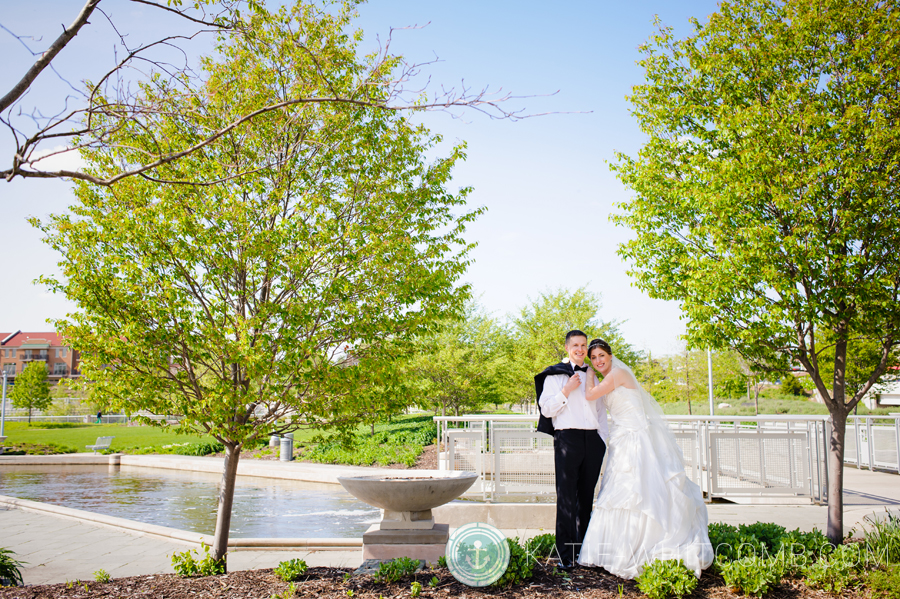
[
  {"x": 791, "y": 386},
  {"x": 767, "y": 197},
  {"x": 537, "y": 335},
  {"x": 462, "y": 364},
  {"x": 234, "y": 304},
  {"x": 32, "y": 391}
]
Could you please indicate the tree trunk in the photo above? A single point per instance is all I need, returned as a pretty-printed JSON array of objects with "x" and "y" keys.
[
  {"x": 226, "y": 499},
  {"x": 838, "y": 410},
  {"x": 29, "y": 415},
  {"x": 835, "y": 526}
]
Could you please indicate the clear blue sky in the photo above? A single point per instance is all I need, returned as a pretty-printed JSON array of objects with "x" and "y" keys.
[{"x": 545, "y": 181}]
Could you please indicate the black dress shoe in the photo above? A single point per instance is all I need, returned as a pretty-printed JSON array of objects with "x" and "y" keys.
[{"x": 565, "y": 566}]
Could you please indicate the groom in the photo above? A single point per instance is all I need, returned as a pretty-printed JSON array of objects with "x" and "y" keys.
[{"x": 579, "y": 431}]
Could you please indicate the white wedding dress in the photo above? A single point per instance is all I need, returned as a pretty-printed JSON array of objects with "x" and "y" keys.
[{"x": 647, "y": 508}]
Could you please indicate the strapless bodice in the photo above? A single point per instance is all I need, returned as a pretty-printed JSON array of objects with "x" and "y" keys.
[{"x": 626, "y": 409}]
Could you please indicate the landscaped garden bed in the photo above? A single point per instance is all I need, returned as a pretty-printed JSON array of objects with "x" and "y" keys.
[{"x": 331, "y": 583}]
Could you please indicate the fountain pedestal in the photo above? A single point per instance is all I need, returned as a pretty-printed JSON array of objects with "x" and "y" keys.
[{"x": 407, "y": 527}]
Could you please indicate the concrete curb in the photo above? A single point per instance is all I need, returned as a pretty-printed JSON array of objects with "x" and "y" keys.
[{"x": 175, "y": 534}]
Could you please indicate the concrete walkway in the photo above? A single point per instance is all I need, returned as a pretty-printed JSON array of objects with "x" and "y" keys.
[{"x": 59, "y": 549}]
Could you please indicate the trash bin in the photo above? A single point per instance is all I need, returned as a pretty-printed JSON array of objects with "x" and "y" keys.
[
  {"x": 287, "y": 449},
  {"x": 274, "y": 440}
]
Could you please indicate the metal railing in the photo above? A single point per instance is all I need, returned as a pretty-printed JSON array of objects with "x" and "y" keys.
[
  {"x": 873, "y": 442},
  {"x": 728, "y": 456}
]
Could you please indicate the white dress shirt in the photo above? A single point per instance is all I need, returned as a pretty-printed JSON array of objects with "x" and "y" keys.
[{"x": 574, "y": 411}]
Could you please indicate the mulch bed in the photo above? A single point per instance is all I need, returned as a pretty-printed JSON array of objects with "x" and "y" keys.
[{"x": 331, "y": 583}]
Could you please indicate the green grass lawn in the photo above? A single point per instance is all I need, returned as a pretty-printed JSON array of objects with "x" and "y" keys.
[
  {"x": 793, "y": 407},
  {"x": 135, "y": 438},
  {"x": 86, "y": 434}
]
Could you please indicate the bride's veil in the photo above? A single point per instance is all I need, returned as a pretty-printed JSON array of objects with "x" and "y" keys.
[{"x": 664, "y": 436}]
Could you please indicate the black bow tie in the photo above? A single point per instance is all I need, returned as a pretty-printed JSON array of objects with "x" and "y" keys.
[{"x": 580, "y": 368}]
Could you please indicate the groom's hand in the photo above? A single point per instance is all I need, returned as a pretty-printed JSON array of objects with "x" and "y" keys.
[{"x": 573, "y": 383}]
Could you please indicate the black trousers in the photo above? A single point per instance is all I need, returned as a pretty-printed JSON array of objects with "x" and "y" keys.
[{"x": 578, "y": 455}]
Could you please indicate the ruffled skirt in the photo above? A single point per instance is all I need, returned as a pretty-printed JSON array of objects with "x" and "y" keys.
[{"x": 647, "y": 508}]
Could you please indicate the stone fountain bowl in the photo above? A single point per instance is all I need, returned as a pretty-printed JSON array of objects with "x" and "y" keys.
[{"x": 424, "y": 490}]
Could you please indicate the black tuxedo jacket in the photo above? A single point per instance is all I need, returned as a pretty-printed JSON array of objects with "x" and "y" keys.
[{"x": 545, "y": 425}]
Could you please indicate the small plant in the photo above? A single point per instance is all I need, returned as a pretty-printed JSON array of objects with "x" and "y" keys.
[
  {"x": 347, "y": 576},
  {"x": 883, "y": 541},
  {"x": 396, "y": 569},
  {"x": 434, "y": 582},
  {"x": 10, "y": 569},
  {"x": 186, "y": 564},
  {"x": 665, "y": 578},
  {"x": 621, "y": 590},
  {"x": 541, "y": 546},
  {"x": 349, "y": 592},
  {"x": 416, "y": 589},
  {"x": 752, "y": 575},
  {"x": 442, "y": 561},
  {"x": 884, "y": 584},
  {"x": 288, "y": 593},
  {"x": 290, "y": 570},
  {"x": 835, "y": 572},
  {"x": 102, "y": 575},
  {"x": 520, "y": 565}
]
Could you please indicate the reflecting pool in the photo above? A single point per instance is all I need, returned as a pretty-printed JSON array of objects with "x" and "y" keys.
[{"x": 263, "y": 507}]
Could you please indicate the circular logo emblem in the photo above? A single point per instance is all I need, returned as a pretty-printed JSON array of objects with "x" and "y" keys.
[{"x": 477, "y": 554}]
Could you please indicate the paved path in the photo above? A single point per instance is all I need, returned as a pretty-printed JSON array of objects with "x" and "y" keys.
[{"x": 60, "y": 549}]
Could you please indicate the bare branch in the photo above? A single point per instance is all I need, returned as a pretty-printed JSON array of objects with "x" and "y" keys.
[{"x": 47, "y": 57}]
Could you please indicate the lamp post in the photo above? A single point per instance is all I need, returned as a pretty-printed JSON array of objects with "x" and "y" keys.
[
  {"x": 709, "y": 370},
  {"x": 3, "y": 406}
]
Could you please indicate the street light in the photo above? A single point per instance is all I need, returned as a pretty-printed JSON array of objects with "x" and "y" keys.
[
  {"x": 709, "y": 370},
  {"x": 3, "y": 409}
]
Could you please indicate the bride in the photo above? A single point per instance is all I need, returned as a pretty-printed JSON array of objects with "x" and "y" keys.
[{"x": 647, "y": 508}]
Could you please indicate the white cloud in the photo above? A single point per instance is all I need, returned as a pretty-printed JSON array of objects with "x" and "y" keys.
[{"x": 59, "y": 158}]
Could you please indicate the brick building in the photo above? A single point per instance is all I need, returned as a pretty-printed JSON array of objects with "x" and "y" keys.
[{"x": 19, "y": 349}]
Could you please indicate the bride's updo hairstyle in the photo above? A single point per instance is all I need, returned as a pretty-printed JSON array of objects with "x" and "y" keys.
[{"x": 601, "y": 344}]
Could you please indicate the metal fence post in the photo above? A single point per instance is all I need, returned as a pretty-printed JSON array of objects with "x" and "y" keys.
[
  {"x": 871, "y": 443},
  {"x": 897, "y": 440}
]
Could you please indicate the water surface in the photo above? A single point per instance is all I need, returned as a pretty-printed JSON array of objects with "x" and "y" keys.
[{"x": 263, "y": 507}]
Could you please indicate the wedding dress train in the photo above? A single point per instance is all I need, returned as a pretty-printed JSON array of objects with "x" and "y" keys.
[{"x": 647, "y": 508}]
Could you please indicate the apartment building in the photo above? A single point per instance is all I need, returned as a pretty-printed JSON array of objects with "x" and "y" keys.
[{"x": 19, "y": 349}]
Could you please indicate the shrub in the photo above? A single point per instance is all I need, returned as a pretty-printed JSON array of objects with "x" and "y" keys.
[
  {"x": 731, "y": 544},
  {"x": 10, "y": 569},
  {"x": 884, "y": 584},
  {"x": 541, "y": 546},
  {"x": 666, "y": 578},
  {"x": 520, "y": 565},
  {"x": 765, "y": 532},
  {"x": 752, "y": 575},
  {"x": 796, "y": 550},
  {"x": 442, "y": 561},
  {"x": 396, "y": 569},
  {"x": 401, "y": 443},
  {"x": 290, "y": 570},
  {"x": 415, "y": 589},
  {"x": 186, "y": 564}
]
